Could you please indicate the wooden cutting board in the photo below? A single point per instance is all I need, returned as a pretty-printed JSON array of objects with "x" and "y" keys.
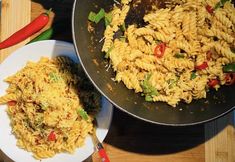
[{"x": 219, "y": 135}]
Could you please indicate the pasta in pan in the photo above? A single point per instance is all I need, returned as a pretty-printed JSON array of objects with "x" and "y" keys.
[
  {"x": 180, "y": 50},
  {"x": 51, "y": 106}
]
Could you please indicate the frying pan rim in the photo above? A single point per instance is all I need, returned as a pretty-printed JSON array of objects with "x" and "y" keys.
[{"x": 115, "y": 105}]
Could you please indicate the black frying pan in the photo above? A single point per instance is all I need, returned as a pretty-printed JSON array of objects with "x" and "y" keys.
[{"x": 88, "y": 48}]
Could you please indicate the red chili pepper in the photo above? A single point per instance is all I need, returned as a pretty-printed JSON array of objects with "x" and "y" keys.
[
  {"x": 11, "y": 103},
  {"x": 212, "y": 83},
  {"x": 22, "y": 34},
  {"x": 209, "y": 9},
  {"x": 203, "y": 66},
  {"x": 52, "y": 136},
  {"x": 208, "y": 55},
  {"x": 160, "y": 50},
  {"x": 230, "y": 78}
]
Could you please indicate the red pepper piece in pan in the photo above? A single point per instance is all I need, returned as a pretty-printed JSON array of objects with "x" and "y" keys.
[
  {"x": 22, "y": 34},
  {"x": 212, "y": 83},
  {"x": 230, "y": 78},
  {"x": 203, "y": 66},
  {"x": 11, "y": 103},
  {"x": 52, "y": 136},
  {"x": 209, "y": 9},
  {"x": 160, "y": 50}
]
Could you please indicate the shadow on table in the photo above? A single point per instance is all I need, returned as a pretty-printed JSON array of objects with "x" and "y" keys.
[{"x": 134, "y": 135}]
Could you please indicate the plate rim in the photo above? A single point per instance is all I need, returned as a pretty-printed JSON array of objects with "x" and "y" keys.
[{"x": 70, "y": 46}]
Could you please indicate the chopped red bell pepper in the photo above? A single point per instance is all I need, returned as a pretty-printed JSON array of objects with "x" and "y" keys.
[
  {"x": 52, "y": 136},
  {"x": 160, "y": 50},
  {"x": 11, "y": 103},
  {"x": 208, "y": 55},
  {"x": 209, "y": 9},
  {"x": 230, "y": 78},
  {"x": 212, "y": 83},
  {"x": 203, "y": 66}
]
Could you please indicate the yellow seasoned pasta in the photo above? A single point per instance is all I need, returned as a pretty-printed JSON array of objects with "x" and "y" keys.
[
  {"x": 51, "y": 106},
  {"x": 176, "y": 53}
]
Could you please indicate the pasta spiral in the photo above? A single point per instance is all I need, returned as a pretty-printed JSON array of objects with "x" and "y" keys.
[
  {"x": 177, "y": 52},
  {"x": 52, "y": 119}
]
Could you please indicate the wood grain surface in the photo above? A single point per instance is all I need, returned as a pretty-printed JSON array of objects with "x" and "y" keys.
[{"x": 130, "y": 139}]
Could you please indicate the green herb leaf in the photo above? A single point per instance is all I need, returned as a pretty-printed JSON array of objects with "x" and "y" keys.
[
  {"x": 229, "y": 68},
  {"x": 44, "y": 105},
  {"x": 107, "y": 18},
  {"x": 82, "y": 113},
  {"x": 193, "y": 75},
  {"x": 148, "y": 89},
  {"x": 148, "y": 98},
  {"x": 108, "y": 52},
  {"x": 54, "y": 77},
  {"x": 171, "y": 83},
  {"x": 179, "y": 55},
  {"x": 123, "y": 27},
  {"x": 220, "y": 4}
]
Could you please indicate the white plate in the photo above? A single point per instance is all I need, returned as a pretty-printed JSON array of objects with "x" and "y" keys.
[{"x": 17, "y": 61}]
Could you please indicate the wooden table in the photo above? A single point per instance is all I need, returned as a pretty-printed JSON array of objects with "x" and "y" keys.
[{"x": 129, "y": 139}]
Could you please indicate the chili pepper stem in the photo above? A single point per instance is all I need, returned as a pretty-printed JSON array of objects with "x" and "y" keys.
[{"x": 48, "y": 11}]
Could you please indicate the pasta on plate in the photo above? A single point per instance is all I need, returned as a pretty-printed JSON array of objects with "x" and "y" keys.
[
  {"x": 51, "y": 106},
  {"x": 179, "y": 52}
]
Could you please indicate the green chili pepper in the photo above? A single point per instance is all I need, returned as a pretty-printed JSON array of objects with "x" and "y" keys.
[
  {"x": 93, "y": 17},
  {"x": 99, "y": 15},
  {"x": 82, "y": 113},
  {"x": 47, "y": 34},
  {"x": 220, "y": 4},
  {"x": 193, "y": 75},
  {"x": 230, "y": 68}
]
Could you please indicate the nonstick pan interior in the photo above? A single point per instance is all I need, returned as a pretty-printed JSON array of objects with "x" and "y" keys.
[{"x": 92, "y": 59}]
